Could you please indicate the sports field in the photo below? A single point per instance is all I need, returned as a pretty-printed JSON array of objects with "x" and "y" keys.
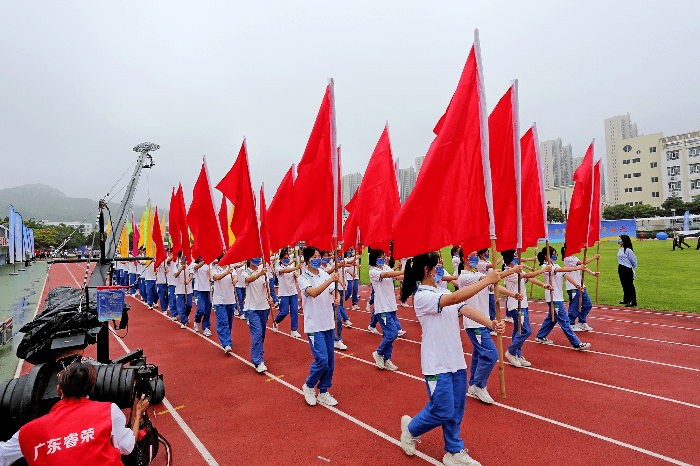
[{"x": 665, "y": 278}]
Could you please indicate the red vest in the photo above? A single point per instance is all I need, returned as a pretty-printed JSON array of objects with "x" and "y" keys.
[{"x": 75, "y": 432}]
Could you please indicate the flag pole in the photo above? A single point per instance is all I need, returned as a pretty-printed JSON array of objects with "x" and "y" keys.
[
  {"x": 532, "y": 284},
  {"x": 551, "y": 293},
  {"x": 597, "y": 269},
  {"x": 520, "y": 325},
  {"x": 583, "y": 275},
  {"x": 499, "y": 337}
]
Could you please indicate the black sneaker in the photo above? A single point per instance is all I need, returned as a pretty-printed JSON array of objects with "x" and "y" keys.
[{"x": 582, "y": 346}]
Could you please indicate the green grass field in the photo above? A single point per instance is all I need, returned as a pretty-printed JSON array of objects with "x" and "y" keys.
[{"x": 665, "y": 280}]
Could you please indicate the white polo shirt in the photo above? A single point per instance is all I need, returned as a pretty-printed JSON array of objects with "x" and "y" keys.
[
  {"x": 241, "y": 281},
  {"x": 180, "y": 280},
  {"x": 160, "y": 273},
  {"x": 287, "y": 280},
  {"x": 201, "y": 278},
  {"x": 479, "y": 301},
  {"x": 558, "y": 283},
  {"x": 441, "y": 343},
  {"x": 318, "y": 311},
  {"x": 511, "y": 282},
  {"x": 256, "y": 293},
  {"x": 384, "y": 297},
  {"x": 572, "y": 261},
  {"x": 169, "y": 273},
  {"x": 149, "y": 272},
  {"x": 223, "y": 289},
  {"x": 132, "y": 267},
  {"x": 482, "y": 267}
]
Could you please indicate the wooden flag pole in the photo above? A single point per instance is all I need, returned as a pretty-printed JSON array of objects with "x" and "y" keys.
[
  {"x": 551, "y": 293},
  {"x": 499, "y": 337},
  {"x": 520, "y": 325},
  {"x": 597, "y": 269},
  {"x": 534, "y": 264},
  {"x": 583, "y": 275},
  {"x": 335, "y": 308}
]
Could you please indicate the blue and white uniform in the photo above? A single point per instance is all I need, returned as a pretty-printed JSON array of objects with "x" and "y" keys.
[
  {"x": 511, "y": 282},
  {"x": 575, "y": 294},
  {"x": 555, "y": 301},
  {"x": 183, "y": 293},
  {"x": 202, "y": 286},
  {"x": 483, "y": 268},
  {"x": 224, "y": 300},
  {"x": 257, "y": 310},
  {"x": 385, "y": 308},
  {"x": 287, "y": 294}
]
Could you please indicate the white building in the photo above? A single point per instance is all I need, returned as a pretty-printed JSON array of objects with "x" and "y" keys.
[
  {"x": 617, "y": 128},
  {"x": 350, "y": 184},
  {"x": 680, "y": 165},
  {"x": 558, "y": 163},
  {"x": 85, "y": 228},
  {"x": 407, "y": 180}
]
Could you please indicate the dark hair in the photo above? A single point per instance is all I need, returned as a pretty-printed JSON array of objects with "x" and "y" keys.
[
  {"x": 460, "y": 267},
  {"x": 508, "y": 256},
  {"x": 77, "y": 380},
  {"x": 626, "y": 242},
  {"x": 482, "y": 251},
  {"x": 454, "y": 249},
  {"x": 374, "y": 255},
  {"x": 308, "y": 252},
  {"x": 563, "y": 250},
  {"x": 283, "y": 252},
  {"x": 542, "y": 255},
  {"x": 324, "y": 252},
  {"x": 415, "y": 272},
  {"x": 347, "y": 252}
]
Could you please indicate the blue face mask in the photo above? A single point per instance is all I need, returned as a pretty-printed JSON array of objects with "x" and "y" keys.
[
  {"x": 326, "y": 260},
  {"x": 315, "y": 263},
  {"x": 285, "y": 261},
  {"x": 486, "y": 257},
  {"x": 440, "y": 272},
  {"x": 619, "y": 241},
  {"x": 514, "y": 261},
  {"x": 473, "y": 261},
  {"x": 554, "y": 258},
  {"x": 380, "y": 262},
  {"x": 256, "y": 261}
]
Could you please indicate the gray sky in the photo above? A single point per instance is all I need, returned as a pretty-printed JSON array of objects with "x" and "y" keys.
[{"x": 83, "y": 82}]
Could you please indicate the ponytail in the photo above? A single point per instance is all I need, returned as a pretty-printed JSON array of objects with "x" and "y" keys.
[
  {"x": 542, "y": 255},
  {"x": 415, "y": 272}
]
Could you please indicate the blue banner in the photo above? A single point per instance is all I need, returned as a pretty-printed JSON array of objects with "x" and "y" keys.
[
  {"x": 11, "y": 239},
  {"x": 609, "y": 230},
  {"x": 686, "y": 220},
  {"x": 19, "y": 251}
]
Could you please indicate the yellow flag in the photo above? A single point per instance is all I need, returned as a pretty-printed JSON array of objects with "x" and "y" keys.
[
  {"x": 231, "y": 237},
  {"x": 142, "y": 231},
  {"x": 124, "y": 246},
  {"x": 109, "y": 227}
]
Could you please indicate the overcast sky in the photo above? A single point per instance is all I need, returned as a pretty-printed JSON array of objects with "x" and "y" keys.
[{"x": 83, "y": 82}]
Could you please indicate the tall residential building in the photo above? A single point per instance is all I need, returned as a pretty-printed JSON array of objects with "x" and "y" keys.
[
  {"x": 639, "y": 170},
  {"x": 419, "y": 163},
  {"x": 617, "y": 128},
  {"x": 350, "y": 185},
  {"x": 558, "y": 163},
  {"x": 407, "y": 180},
  {"x": 680, "y": 165}
]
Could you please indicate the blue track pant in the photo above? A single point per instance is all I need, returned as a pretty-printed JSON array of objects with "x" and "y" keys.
[
  {"x": 172, "y": 301},
  {"x": 352, "y": 290},
  {"x": 184, "y": 307},
  {"x": 484, "y": 356},
  {"x": 224, "y": 320},
  {"x": 573, "y": 306},
  {"x": 321, "y": 371},
  {"x": 203, "y": 312},
  {"x": 151, "y": 296},
  {"x": 515, "y": 348},
  {"x": 390, "y": 330},
  {"x": 562, "y": 318},
  {"x": 162, "y": 290},
  {"x": 289, "y": 305},
  {"x": 256, "y": 324}
]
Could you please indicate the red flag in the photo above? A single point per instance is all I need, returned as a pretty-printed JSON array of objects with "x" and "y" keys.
[
  {"x": 454, "y": 177},
  {"x": 264, "y": 235},
  {"x": 316, "y": 183},
  {"x": 174, "y": 224},
  {"x": 504, "y": 157},
  {"x": 137, "y": 236},
  {"x": 158, "y": 239},
  {"x": 352, "y": 229},
  {"x": 184, "y": 230},
  {"x": 279, "y": 214},
  {"x": 580, "y": 211},
  {"x": 377, "y": 200},
  {"x": 532, "y": 190},
  {"x": 594, "y": 224},
  {"x": 223, "y": 221},
  {"x": 237, "y": 188},
  {"x": 202, "y": 219}
]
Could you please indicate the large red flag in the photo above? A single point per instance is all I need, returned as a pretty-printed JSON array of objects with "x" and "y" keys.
[
  {"x": 451, "y": 202},
  {"x": 279, "y": 214},
  {"x": 504, "y": 157},
  {"x": 237, "y": 188},
  {"x": 594, "y": 224},
  {"x": 174, "y": 224},
  {"x": 223, "y": 221},
  {"x": 532, "y": 190},
  {"x": 158, "y": 239},
  {"x": 377, "y": 200},
  {"x": 316, "y": 183},
  {"x": 135, "y": 239},
  {"x": 351, "y": 228},
  {"x": 264, "y": 235},
  {"x": 580, "y": 211},
  {"x": 184, "y": 230},
  {"x": 202, "y": 218}
]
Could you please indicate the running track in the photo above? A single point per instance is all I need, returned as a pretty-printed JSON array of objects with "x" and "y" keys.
[{"x": 632, "y": 399}]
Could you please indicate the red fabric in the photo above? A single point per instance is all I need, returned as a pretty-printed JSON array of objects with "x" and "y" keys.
[
  {"x": 203, "y": 220},
  {"x": 74, "y": 432},
  {"x": 350, "y": 236},
  {"x": 323, "y": 242},
  {"x": 530, "y": 191},
  {"x": 503, "y": 176},
  {"x": 174, "y": 225},
  {"x": 237, "y": 188},
  {"x": 579, "y": 212},
  {"x": 312, "y": 215},
  {"x": 264, "y": 235},
  {"x": 451, "y": 181},
  {"x": 594, "y": 228},
  {"x": 279, "y": 214},
  {"x": 377, "y": 200},
  {"x": 158, "y": 239},
  {"x": 184, "y": 230},
  {"x": 135, "y": 239},
  {"x": 223, "y": 221}
]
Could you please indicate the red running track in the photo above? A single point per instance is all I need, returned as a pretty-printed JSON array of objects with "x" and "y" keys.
[{"x": 627, "y": 401}]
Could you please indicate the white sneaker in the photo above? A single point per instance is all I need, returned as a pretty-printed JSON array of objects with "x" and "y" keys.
[
  {"x": 206, "y": 332},
  {"x": 340, "y": 345},
  {"x": 408, "y": 441},
  {"x": 576, "y": 328},
  {"x": 236, "y": 313},
  {"x": 369, "y": 307},
  {"x": 461, "y": 458},
  {"x": 182, "y": 325},
  {"x": 227, "y": 350},
  {"x": 585, "y": 326},
  {"x": 309, "y": 395},
  {"x": 582, "y": 346},
  {"x": 173, "y": 318},
  {"x": 196, "y": 327},
  {"x": 274, "y": 326},
  {"x": 326, "y": 399},
  {"x": 355, "y": 307},
  {"x": 524, "y": 362},
  {"x": 401, "y": 333},
  {"x": 508, "y": 319},
  {"x": 155, "y": 304},
  {"x": 261, "y": 368},
  {"x": 513, "y": 359},
  {"x": 544, "y": 341},
  {"x": 379, "y": 360},
  {"x": 373, "y": 330},
  {"x": 405, "y": 305},
  {"x": 241, "y": 316},
  {"x": 150, "y": 307},
  {"x": 480, "y": 393},
  {"x": 296, "y": 334},
  {"x": 165, "y": 313},
  {"x": 390, "y": 365},
  {"x": 347, "y": 324}
]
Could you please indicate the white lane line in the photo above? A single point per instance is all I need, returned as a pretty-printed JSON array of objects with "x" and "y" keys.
[
  {"x": 298, "y": 390},
  {"x": 20, "y": 364},
  {"x": 629, "y": 321},
  {"x": 542, "y": 418}
]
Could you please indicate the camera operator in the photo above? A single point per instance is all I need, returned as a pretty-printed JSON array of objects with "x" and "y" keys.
[{"x": 77, "y": 431}]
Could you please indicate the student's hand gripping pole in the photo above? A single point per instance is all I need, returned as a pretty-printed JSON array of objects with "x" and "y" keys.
[
  {"x": 520, "y": 325},
  {"x": 551, "y": 293},
  {"x": 583, "y": 275},
  {"x": 499, "y": 337}
]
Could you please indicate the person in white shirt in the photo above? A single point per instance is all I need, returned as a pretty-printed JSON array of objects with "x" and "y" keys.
[
  {"x": 257, "y": 309},
  {"x": 240, "y": 291},
  {"x": 352, "y": 279},
  {"x": 149, "y": 283},
  {"x": 132, "y": 278},
  {"x": 442, "y": 356},
  {"x": 483, "y": 267},
  {"x": 382, "y": 278},
  {"x": 555, "y": 300},
  {"x": 202, "y": 286},
  {"x": 328, "y": 265},
  {"x": 225, "y": 278},
  {"x": 271, "y": 280},
  {"x": 162, "y": 286},
  {"x": 171, "y": 265},
  {"x": 318, "y": 296},
  {"x": 574, "y": 295},
  {"x": 140, "y": 268},
  {"x": 287, "y": 274},
  {"x": 183, "y": 275},
  {"x": 514, "y": 355}
]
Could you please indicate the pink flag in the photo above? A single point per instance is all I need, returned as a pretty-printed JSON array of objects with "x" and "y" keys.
[
  {"x": 580, "y": 211},
  {"x": 533, "y": 204}
]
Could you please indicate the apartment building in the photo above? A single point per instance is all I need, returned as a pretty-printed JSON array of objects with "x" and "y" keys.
[
  {"x": 680, "y": 165},
  {"x": 639, "y": 170},
  {"x": 617, "y": 129}
]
